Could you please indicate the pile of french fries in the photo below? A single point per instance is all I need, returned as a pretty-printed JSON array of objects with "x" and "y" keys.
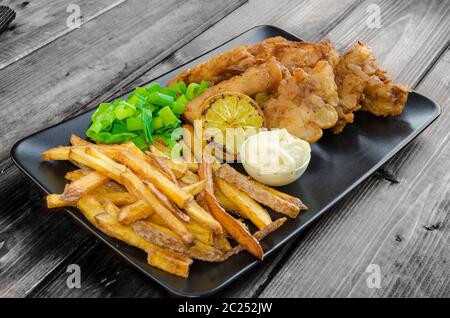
[{"x": 172, "y": 209}]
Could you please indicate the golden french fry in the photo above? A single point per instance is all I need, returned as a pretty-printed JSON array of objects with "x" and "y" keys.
[
  {"x": 167, "y": 203},
  {"x": 189, "y": 178},
  {"x": 177, "y": 166},
  {"x": 142, "y": 168},
  {"x": 162, "y": 167},
  {"x": 77, "y": 188},
  {"x": 221, "y": 242},
  {"x": 195, "y": 188},
  {"x": 197, "y": 213},
  {"x": 247, "y": 207},
  {"x": 165, "y": 238},
  {"x": 135, "y": 211},
  {"x": 113, "y": 171},
  {"x": 136, "y": 187},
  {"x": 224, "y": 201},
  {"x": 110, "y": 186},
  {"x": 201, "y": 233},
  {"x": 109, "y": 207},
  {"x": 117, "y": 198},
  {"x": 55, "y": 201},
  {"x": 176, "y": 266},
  {"x": 57, "y": 153},
  {"x": 226, "y": 172},
  {"x": 282, "y": 195},
  {"x": 77, "y": 141},
  {"x": 236, "y": 230},
  {"x": 76, "y": 174}
]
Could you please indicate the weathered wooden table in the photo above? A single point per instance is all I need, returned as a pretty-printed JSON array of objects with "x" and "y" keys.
[{"x": 398, "y": 219}]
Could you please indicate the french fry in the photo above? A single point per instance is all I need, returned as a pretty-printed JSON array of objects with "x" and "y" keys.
[
  {"x": 194, "y": 188},
  {"x": 221, "y": 242},
  {"x": 57, "y": 153},
  {"x": 77, "y": 141},
  {"x": 178, "y": 167},
  {"x": 117, "y": 198},
  {"x": 135, "y": 211},
  {"x": 165, "y": 238},
  {"x": 259, "y": 235},
  {"x": 109, "y": 207},
  {"x": 282, "y": 195},
  {"x": 77, "y": 188},
  {"x": 55, "y": 201},
  {"x": 201, "y": 233},
  {"x": 76, "y": 174},
  {"x": 259, "y": 194},
  {"x": 189, "y": 178},
  {"x": 168, "y": 261},
  {"x": 173, "y": 265},
  {"x": 162, "y": 167},
  {"x": 136, "y": 187},
  {"x": 247, "y": 207},
  {"x": 197, "y": 213},
  {"x": 167, "y": 203},
  {"x": 236, "y": 230},
  {"x": 110, "y": 186},
  {"x": 142, "y": 168},
  {"x": 111, "y": 170},
  {"x": 224, "y": 201}
]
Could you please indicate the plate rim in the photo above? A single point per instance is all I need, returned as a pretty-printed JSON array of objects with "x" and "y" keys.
[{"x": 291, "y": 236}]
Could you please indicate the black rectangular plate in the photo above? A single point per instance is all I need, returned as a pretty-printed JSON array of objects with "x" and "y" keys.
[{"x": 339, "y": 163}]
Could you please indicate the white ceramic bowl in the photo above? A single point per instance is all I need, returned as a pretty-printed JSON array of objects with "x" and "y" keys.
[{"x": 275, "y": 179}]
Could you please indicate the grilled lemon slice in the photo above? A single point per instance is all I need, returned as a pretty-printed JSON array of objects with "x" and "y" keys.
[{"x": 230, "y": 118}]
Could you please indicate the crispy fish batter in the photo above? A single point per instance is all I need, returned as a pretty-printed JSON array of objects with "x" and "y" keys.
[
  {"x": 291, "y": 54},
  {"x": 261, "y": 78},
  {"x": 383, "y": 98},
  {"x": 360, "y": 83},
  {"x": 220, "y": 67},
  {"x": 305, "y": 103}
]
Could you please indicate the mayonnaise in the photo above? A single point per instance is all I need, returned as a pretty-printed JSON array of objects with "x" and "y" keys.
[{"x": 275, "y": 157}]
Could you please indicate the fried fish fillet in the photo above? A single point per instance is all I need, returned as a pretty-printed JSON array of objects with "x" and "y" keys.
[
  {"x": 361, "y": 83},
  {"x": 294, "y": 54},
  {"x": 305, "y": 103},
  {"x": 220, "y": 67},
  {"x": 382, "y": 98},
  {"x": 261, "y": 78},
  {"x": 291, "y": 54}
]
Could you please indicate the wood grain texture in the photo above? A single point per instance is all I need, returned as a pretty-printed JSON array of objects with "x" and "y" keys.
[
  {"x": 34, "y": 241},
  {"x": 295, "y": 14},
  {"x": 399, "y": 226},
  {"x": 403, "y": 228},
  {"x": 41, "y": 22},
  {"x": 89, "y": 63}
]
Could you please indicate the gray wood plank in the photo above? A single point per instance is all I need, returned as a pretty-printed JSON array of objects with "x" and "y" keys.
[
  {"x": 40, "y": 22},
  {"x": 102, "y": 56},
  {"x": 295, "y": 14},
  {"x": 34, "y": 242},
  {"x": 399, "y": 226}
]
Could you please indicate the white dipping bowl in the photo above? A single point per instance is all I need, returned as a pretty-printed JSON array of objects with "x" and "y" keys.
[{"x": 274, "y": 179}]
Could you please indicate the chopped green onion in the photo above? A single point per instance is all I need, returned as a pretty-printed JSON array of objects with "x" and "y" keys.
[
  {"x": 147, "y": 123},
  {"x": 169, "y": 91},
  {"x": 153, "y": 87},
  {"x": 134, "y": 123},
  {"x": 140, "y": 143},
  {"x": 160, "y": 99},
  {"x": 191, "y": 90},
  {"x": 167, "y": 116},
  {"x": 119, "y": 138},
  {"x": 178, "y": 107},
  {"x": 157, "y": 123}
]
